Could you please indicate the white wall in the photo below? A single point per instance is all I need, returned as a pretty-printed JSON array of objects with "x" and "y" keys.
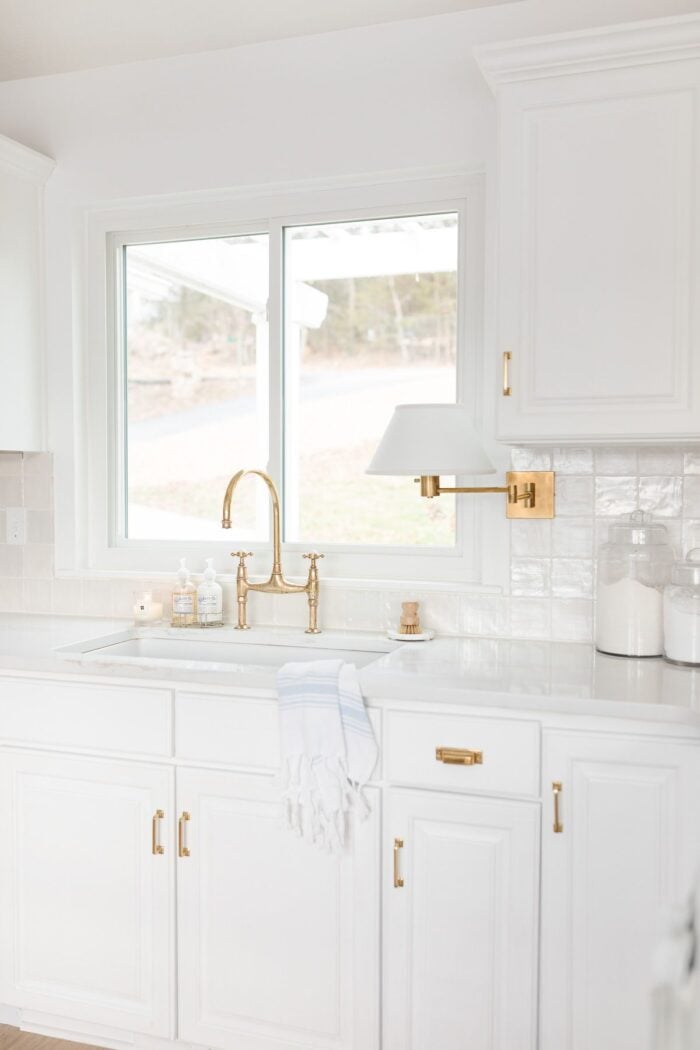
[{"x": 399, "y": 96}]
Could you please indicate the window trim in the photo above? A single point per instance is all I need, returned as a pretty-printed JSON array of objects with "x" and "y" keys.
[{"x": 96, "y": 548}]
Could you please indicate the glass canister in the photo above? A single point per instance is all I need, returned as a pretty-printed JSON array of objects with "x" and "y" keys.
[
  {"x": 682, "y": 612},
  {"x": 633, "y": 568}
]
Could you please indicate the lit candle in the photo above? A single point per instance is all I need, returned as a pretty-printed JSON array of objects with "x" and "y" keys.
[{"x": 146, "y": 610}]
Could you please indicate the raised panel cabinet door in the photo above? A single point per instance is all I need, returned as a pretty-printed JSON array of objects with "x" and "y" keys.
[
  {"x": 278, "y": 941},
  {"x": 85, "y": 922},
  {"x": 599, "y": 227},
  {"x": 625, "y": 852},
  {"x": 461, "y": 884},
  {"x": 22, "y": 176}
]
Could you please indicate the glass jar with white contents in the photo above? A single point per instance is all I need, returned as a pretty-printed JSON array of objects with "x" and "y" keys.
[
  {"x": 633, "y": 568},
  {"x": 682, "y": 612}
]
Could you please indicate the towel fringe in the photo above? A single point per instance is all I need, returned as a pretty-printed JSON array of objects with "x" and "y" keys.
[{"x": 305, "y": 812}]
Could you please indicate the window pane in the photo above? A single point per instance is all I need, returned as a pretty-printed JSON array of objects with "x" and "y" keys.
[
  {"x": 371, "y": 322},
  {"x": 197, "y": 384}
]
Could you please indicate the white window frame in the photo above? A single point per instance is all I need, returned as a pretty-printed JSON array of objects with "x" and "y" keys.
[{"x": 99, "y": 549}]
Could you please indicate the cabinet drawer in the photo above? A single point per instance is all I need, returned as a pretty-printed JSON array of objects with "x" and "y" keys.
[
  {"x": 73, "y": 715},
  {"x": 238, "y": 732},
  {"x": 504, "y": 754}
]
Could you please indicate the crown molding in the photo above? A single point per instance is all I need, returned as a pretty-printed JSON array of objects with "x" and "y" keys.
[
  {"x": 23, "y": 161},
  {"x": 590, "y": 50}
]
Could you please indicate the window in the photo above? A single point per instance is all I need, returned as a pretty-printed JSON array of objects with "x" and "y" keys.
[
  {"x": 369, "y": 316},
  {"x": 370, "y": 322},
  {"x": 275, "y": 331},
  {"x": 195, "y": 377}
]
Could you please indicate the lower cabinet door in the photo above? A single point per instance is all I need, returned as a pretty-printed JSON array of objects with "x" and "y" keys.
[
  {"x": 623, "y": 854},
  {"x": 278, "y": 942},
  {"x": 461, "y": 887},
  {"x": 86, "y": 916}
]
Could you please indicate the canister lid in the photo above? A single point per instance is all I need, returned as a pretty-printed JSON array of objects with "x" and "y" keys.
[
  {"x": 638, "y": 528},
  {"x": 687, "y": 572}
]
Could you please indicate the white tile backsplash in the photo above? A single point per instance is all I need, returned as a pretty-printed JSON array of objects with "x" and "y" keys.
[
  {"x": 691, "y": 496},
  {"x": 530, "y": 576},
  {"x": 574, "y": 495},
  {"x": 552, "y": 563},
  {"x": 615, "y": 461},
  {"x": 572, "y": 460},
  {"x": 530, "y": 538},
  {"x": 572, "y": 537},
  {"x": 661, "y": 496},
  {"x": 615, "y": 496},
  {"x": 660, "y": 461},
  {"x": 572, "y": 577}
]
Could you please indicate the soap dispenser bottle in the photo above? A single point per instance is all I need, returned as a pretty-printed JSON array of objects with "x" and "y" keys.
[
  {"x": 184, "y": 599},
  {"x": 210, "y": 598}
]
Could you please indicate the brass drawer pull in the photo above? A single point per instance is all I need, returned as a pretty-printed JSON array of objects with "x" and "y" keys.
[
  {"x": 182, "y": 849},
  {"x": 456, "y": 756},
  {"x": 507, "y": 389},
  {"x": 556, "y": 791},
  {"x": 156, "y": 849},
  {"x": 398, "y": 881}
]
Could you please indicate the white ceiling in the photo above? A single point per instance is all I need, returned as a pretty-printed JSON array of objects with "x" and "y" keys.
[{"x": 57, "y": 36}]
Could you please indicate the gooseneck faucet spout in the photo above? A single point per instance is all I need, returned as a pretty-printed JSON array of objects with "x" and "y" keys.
[
  {"x": 276, "y": 583},
  {"x": 276, "y": 530}
]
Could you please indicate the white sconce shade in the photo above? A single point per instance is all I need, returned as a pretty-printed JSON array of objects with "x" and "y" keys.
[{"x": 430, "y": 440}]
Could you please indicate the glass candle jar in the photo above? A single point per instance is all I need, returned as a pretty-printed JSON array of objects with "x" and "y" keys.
[
  {"x": 682, "y": 612},
  {"x": 633, "y": 568}
]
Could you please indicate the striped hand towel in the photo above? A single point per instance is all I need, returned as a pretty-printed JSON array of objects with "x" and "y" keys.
[{"x": 328, "y": 748}]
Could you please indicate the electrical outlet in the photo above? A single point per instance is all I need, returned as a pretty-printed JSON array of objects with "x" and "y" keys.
[{"x": 16, "y": 525}]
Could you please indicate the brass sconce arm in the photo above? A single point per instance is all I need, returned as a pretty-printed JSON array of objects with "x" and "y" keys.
[{"x": 530, "y": 494}]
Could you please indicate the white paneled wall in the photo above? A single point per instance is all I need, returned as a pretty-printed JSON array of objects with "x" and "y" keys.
[{"x": 552, "y": 563}]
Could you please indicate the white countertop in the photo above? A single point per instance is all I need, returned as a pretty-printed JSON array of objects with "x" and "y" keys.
[{"x": 570, "y": 678}]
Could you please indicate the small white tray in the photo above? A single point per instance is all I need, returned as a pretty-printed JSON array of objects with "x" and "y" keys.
[{"x": 424, "y": 636}]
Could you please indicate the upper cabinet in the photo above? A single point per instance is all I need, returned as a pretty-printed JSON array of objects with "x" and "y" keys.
[
  {"x": 599, "y": 233},
  {"x": 23, "y": 174}
]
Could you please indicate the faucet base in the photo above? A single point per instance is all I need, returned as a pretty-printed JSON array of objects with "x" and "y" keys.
[
  {"x": 313, "y": 630},
  {"x": 242, "y": 627}
]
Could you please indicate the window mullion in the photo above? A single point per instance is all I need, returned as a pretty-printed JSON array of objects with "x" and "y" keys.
[{"x": 275, "y": 315}]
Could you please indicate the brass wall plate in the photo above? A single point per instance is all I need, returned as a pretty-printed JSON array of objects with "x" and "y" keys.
[{"x": 543, "y": 480}]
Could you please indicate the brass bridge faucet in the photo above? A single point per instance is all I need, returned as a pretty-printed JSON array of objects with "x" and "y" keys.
[{"x": 277, "y": 583}]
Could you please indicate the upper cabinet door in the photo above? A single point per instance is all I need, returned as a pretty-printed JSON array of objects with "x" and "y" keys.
[
  {"x": 23, "y": 173},
  {"x": 599, "y": 234},
  {"x": 86, "y": 870},
  {"x": 461, "y": 882},
  {"x": 278, "y": 941}
]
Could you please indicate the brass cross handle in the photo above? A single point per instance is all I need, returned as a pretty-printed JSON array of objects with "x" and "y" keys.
[
  {"x": 242, "y": 555},
  {"x": 313, "y": 557}
]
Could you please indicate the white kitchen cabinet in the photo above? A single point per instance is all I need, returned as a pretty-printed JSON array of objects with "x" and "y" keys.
[
  {"x": 599, "y": 232},
  {"x": 86, "y": 916},
  {"x": 460, "y": 922},
  {"x": 278, "y": 943},
  {"x": 23, "y": 173},
  {"x": 622, "y": 858}
]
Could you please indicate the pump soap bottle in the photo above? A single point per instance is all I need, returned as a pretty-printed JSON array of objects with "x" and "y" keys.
[
  {"x": 184, "y": 599},
  {"x": 210, "y": 598}
]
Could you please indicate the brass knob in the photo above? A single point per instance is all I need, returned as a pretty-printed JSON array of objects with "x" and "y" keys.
[
  {"x": 242, "y": 554},
  {"x": 313, "y": 557}
]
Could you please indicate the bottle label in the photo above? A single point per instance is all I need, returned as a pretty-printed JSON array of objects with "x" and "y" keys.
[
  {"x": 183, "y": 603},
  {"x": 208, "y": 603}
]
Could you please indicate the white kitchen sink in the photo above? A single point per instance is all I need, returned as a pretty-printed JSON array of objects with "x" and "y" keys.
[{"x": 223, "y": 649}]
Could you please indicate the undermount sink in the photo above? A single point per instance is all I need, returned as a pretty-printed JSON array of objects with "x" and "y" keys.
[{"x": 223, "y": 649}]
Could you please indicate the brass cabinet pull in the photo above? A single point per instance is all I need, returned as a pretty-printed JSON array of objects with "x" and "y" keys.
[
  {"x": 182, "y": 849},
  {"x": 156, "y": 848},
  {"x": 457, "y": 756},
  {"x": 398, "y": 881},
  {"x": 556, "y": 791},
  {"x": 507, "y": 390}
]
